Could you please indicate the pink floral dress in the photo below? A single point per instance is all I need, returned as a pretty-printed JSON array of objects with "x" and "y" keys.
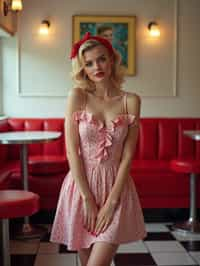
[{"x": 101, "y": 148}]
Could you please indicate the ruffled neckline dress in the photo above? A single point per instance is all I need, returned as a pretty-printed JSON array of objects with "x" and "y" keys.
[{"x": 101, "y": 147}]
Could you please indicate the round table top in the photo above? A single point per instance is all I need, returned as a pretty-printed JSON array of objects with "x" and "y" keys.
[
  {"x": 193, "y": 134},
  {"x": 25, "y": 137},
  {"x": 18, "y": 203}
]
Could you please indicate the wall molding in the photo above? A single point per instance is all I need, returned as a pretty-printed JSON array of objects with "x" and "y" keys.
[
  {"x": 5, "y": 32},
  {"x": 34, "y": 92},
  {"x": 175, "y": 52},
  {"x": 63, "y": 91}
]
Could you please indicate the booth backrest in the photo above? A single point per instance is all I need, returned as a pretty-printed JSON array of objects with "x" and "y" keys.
[
  {"x": 4, "y": 127},
  {"x": 159, "y": 138},
  {"x": 163, "y": 139},
  {"x": 56, "y": 147}
]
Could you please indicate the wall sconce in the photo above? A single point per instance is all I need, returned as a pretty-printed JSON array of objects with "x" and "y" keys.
[
  {"x": 13, "y": 5},
  {"x": 44, "y": 27},
  {"x": 154, "y": 30}
]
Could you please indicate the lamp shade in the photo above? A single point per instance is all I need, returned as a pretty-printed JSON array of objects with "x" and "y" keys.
[
  {"x": 154, "y": 30},
  {"x": 16, "y": 5},
  {"x": 44, "y": 27}
]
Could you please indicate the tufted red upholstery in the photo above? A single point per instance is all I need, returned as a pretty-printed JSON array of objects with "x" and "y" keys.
[
  {"x": 45, "y": 164},
  {"x": 160, "y": 141},
  {"x": 47, "y": 161}
]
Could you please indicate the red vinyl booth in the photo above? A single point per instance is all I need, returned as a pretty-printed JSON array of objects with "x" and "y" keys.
[
  {"x": 160, "y": 141},
  {"x": 47, "y": 161}
]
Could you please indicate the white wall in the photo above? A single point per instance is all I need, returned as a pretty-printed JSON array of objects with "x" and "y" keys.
[{"x": 153, "y": 72}]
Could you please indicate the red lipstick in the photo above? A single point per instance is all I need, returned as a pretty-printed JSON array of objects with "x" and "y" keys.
[{"x": 99, "y": 74}]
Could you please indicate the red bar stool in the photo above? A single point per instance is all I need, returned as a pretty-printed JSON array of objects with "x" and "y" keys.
[
  {"x": 191, "y": 167},
  {"x": 13, "y": 204}
]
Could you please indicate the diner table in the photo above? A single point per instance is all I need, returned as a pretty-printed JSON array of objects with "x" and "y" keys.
[
  {"x": 23, "y": 138},
  {"x": 192, "y": 225}
]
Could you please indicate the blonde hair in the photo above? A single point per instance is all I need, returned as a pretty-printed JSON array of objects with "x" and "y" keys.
[{"x": 78, "y": 74}]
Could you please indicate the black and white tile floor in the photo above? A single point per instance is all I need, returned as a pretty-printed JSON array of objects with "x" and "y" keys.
[{"x": 161, "y": 247}]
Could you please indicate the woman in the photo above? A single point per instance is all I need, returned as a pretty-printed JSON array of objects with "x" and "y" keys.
[{"x": 98, "y": 207}]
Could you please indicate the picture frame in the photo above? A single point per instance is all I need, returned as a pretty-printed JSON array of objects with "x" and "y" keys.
[{"x": 120, "y": 30}]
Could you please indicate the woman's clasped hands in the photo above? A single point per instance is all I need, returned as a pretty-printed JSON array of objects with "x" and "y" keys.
[{"x": 96, "y": 220}]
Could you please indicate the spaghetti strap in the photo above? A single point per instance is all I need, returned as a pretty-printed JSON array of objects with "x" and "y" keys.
[{"x": 125, "y": 103}]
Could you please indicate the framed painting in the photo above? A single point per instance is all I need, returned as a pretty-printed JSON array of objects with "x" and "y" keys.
[{"x": 119, "y": 30}]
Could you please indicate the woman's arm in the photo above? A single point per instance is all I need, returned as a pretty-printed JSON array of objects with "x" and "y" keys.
[
  {"x": 133, "y": 106},
  {"x": 75, "y": 103},
  {"x": 106, "y": 213}
]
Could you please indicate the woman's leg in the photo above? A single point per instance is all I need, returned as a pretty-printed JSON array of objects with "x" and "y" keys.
[
  {"x": 102, "y": 254},
  {"x": 84, "y": 254}
]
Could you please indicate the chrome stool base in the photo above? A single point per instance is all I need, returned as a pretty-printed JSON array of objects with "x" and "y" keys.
[
  {"x": 30, "y": 231},
  {"x": 187, "y": 227}
]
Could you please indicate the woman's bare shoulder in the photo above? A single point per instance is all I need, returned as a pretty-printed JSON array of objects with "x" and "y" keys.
[
  {"x": 75, "y": 99},
  {"x": 76, "y": 95},
  {"x": 133, "y": 102},
  {"x": 133, "y": 96}
]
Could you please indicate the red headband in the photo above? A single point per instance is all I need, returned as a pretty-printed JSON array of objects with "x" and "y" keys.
[{"x": 87, "y": 37}]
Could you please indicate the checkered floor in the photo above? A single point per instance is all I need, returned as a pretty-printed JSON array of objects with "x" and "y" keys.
[{"x": 161, "y": 247}]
